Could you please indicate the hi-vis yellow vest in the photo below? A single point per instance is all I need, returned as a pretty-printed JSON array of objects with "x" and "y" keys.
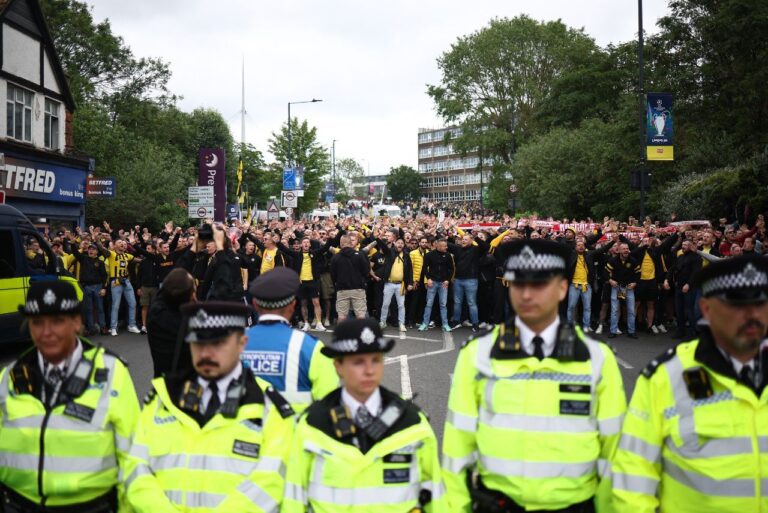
[
  {"x": 685, "y": 449},
  {"x": 540, "y": 432},
  {"x": 331, "y": 475},
  {"x": 228, "y": 465},
  {"x": 71, "y": 453}
]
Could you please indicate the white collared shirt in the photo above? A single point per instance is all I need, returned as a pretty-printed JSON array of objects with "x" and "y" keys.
[
  {"x": 372, "y": 404},
  {"x": 738, "y": 364},
  {"x": 66, "y": 365},
  {"x": 549, "y": 335},
  {"x": 221, "y": 383},
  {"x": 273, "y": 317}
]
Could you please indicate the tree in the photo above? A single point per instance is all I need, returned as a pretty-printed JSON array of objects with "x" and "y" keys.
[
  {"x": 306, "y": 152},
  {"x": 494, "y": 80},
  {"x": 349, "y": 174},
  {"x": 404, "y": 183}
]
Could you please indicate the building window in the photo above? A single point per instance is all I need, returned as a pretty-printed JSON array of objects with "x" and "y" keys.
[
  {"x": 19, "y": 116},
  {"x": 52, "y": 124}
]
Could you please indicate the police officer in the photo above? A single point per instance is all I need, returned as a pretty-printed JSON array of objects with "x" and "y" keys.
[
  {"x": 362, "y": 448},
  {"x": 67, "y": 413},
  {"x": 214, "y": 439},
  {"x": 287, "y": 358},
  {"x": 696, "y": 433},
  {"x": 535, "y": 406}
]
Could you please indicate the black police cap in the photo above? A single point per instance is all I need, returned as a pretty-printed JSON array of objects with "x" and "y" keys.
[
  {"x": 213, "y": 320},
  {"x": 50, "y": 298},
  {"x": 357, "y": 336},
  {"x": 275, "y": 289},
  {"x": 536, "y": 260},
  {"x": 737, "y": 280}
]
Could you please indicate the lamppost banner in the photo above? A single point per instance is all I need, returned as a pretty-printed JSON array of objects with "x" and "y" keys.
[
  {"x": 212, "y": 173},
  {"x": 659, "y": 127}
]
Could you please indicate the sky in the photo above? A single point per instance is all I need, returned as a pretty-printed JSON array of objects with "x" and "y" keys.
[{"x": 370, "y": 62}]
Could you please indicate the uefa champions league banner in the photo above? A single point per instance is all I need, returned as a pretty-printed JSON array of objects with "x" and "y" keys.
[{"x": 659, "y": 127}]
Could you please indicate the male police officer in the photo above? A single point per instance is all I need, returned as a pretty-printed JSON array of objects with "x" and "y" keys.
[
  {"x": 213, "y": 439},
  {"x": 696, "y": 434},
  {"x": 535, "y": 406},
  {"x": 288, "y": 359},
  {"x": 67, "y": 413},
  {"x": 362, "y": 448}
]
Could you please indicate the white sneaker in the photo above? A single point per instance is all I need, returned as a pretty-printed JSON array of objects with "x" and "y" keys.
[
  {"x": 327, "y": 323},
  {"x": 586, "y": 329},
  {"x": 655, "y": 330},
  {"x": 431, "y": 324},
  {"x": 319, "y": 327},
  {"x": 134, "y": 329},
  {"x": 662, "y": 328},
  {"x": 483, "y": 325},
  {"x": 402, "y": 328},
  {"x": 618, "y": 331},
  {"x": 113, "y": 333},
  {"x": 383, "y": 325},
  {"x": 305, "y": 327},
  {"x": 599, "y": 329},
  {"x": 466, "y": 324}
]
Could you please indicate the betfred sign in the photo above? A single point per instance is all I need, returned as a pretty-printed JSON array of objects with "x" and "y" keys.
[
  {"x": 102, "y": 187},
  {"x": 21, "y": 178}
]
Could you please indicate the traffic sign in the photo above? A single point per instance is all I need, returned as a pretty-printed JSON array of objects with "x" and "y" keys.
[
  {"x": 289, "y": 178},
  {"x": 273, "y": 211},
  {"x": 289, "y": 199},
  {"x": 200, "y": 212},
  {"x": 289, "y": 211},
  {"x": 200, "y": 202}
]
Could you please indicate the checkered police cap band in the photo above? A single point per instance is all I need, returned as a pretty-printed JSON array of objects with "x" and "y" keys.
[
  {"x": 747, "y": 278},
  {"x": 203, "y": 321},
  {"x": 351, "y": 345},
  {"x": 275, "y": 303},
  {"x": 527, "y": 260}
]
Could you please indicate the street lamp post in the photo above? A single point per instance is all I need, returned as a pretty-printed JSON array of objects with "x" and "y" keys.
[
  {"x": 290, "y": 156},
  {"x": 641, "y": 95}
]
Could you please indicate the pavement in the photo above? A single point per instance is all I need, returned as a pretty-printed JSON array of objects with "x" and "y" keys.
[{"x": 420, "y": 366}]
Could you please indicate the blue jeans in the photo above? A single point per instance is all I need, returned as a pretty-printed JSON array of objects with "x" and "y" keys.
[
  {"x": 615, "y": 310},
  {"x": 437, "y": 288},
  {"x": 90, "y": 297},
  {"x": 125, "y": 289},
  {"x": 574, "y": 293},
  {"x": 465, "y": 288}
]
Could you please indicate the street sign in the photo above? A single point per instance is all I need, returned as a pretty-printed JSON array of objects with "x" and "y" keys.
[
  {"x": 200, "y": 212},
  {"x": 289, "y": 211},
  {"x": 273, "y": 211},
  {"x": 200, "y": 202},
  {"x": 289, "y": 199},
  {"x": 289, "y": 179},
  {"x": 300, "y": 193}
]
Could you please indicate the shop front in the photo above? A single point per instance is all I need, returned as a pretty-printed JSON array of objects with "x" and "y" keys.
[{"x": 48, "y": 188}]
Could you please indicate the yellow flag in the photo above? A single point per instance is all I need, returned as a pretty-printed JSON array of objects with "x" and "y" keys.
[{"x": 239, "y": 177}]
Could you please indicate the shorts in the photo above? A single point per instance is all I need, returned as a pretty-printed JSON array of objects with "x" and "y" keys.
[
  {"x": 354, "y": 299},
  {"x": 326, "y": 286},
  {"x": 308, "y": 290},
  {"x": 148, "y": 295},
  {"x": 647, "y": 290}
]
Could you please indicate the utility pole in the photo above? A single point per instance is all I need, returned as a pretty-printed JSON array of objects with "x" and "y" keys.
[{"x": 333, "y": 160}]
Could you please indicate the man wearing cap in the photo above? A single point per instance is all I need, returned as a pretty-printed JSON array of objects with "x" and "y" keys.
[
  {"x": 363, "y": 448},
  {"x": 287, "y": 358},
  {"x": 67, "y": 413},
  {"x": 695, "y": 436},
  {"x": 215, "y": 438},
  {"x": 535, "y": 406}
]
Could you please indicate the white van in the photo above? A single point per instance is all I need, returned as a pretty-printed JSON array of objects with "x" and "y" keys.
[{"x": 389, "y": 210}]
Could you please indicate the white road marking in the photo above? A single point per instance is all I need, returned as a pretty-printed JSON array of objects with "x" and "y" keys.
[
  {"x": 623, "y": 363},
  {"x": 448, "y": 346},
  {"x": 405, "y": 378}
]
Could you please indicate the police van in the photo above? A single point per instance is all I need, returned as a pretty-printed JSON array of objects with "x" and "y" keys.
[{"x": 21, "y": 263}]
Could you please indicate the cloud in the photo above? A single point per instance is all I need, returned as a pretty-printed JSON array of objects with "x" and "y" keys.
[{"x": 369, "y": 61}]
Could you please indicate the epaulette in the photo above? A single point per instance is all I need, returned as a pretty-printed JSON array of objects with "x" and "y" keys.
[
  {"x": 150, "y": 395},
  {"x": 654, "y": 364},
  {"x": 281, "y": 403},
  {"x": 115, "y": 355}
]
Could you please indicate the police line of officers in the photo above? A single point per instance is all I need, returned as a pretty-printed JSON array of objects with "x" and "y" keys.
[{"x": 537, "y": 417}]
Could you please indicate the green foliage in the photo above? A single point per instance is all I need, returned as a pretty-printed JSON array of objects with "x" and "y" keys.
[
  {"x": 404, "y": 183},
  {"x": 350, "y": 175},
  {"x": 306, "y": 152}
]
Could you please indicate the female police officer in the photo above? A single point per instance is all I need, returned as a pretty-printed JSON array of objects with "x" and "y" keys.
[{"x": 362, "y": 447}]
